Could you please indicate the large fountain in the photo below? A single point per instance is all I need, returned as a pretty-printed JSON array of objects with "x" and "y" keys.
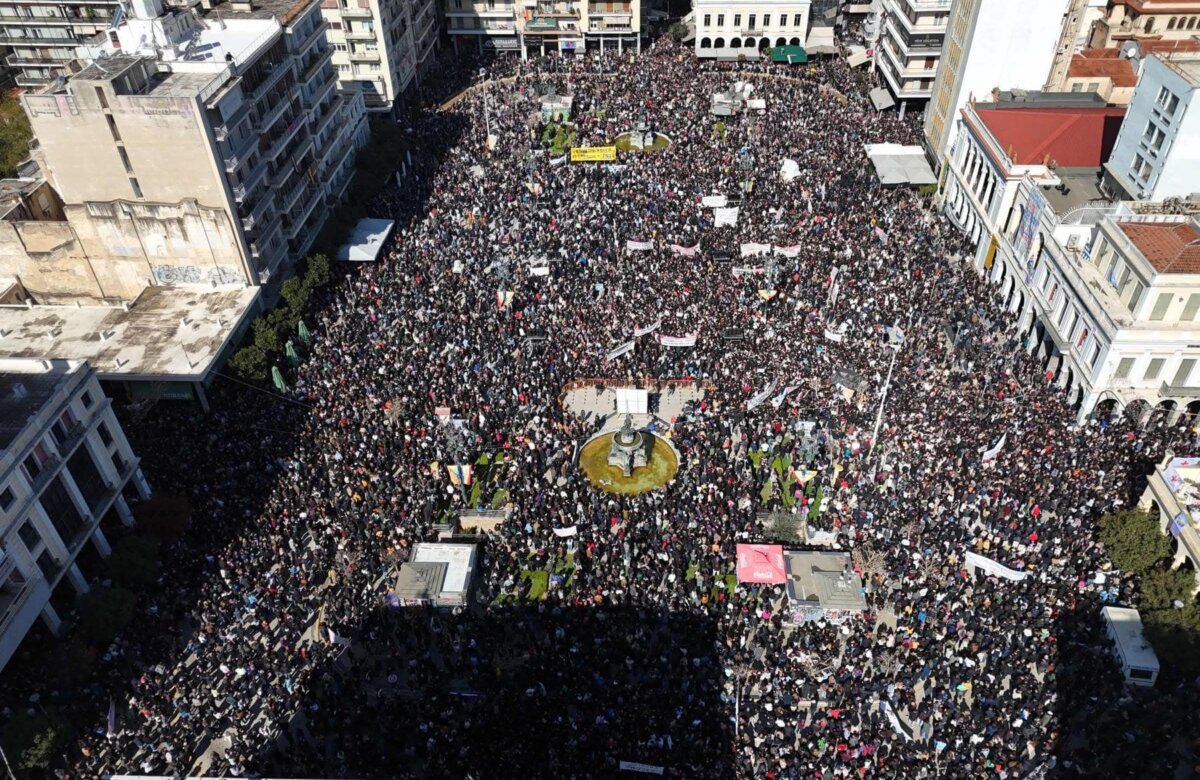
[
  {"x": 628, "y": 461},
  {"x": 642, "y": 138}
]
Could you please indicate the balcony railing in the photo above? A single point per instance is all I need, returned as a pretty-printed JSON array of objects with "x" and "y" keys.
[
  {"x": 356, "y": 13},
  {"x": 364, "y": 56}
]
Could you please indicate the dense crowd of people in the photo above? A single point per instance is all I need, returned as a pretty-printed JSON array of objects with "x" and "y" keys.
[{"x": 274, "y": 646}]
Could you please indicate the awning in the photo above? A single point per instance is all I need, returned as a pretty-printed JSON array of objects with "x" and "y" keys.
[
  {"x": 882, "y": 99},
  {"x": 858, "y": 8},
  {"x": 858, "y": 57},
  {"x": 820, "y": 41},
  {"x": 792, "y": 55},
  {"x": 896, "y": 164},
  {"x": 367, "y": 240}
]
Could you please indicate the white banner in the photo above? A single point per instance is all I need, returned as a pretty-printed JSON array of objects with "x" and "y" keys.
[
  {"x": 563, "y": 533},
  {"x": 995, "y": 450},
  {"x": 541, "y": 270},
  {"x": 685, "y": 250},
  {"x": 558, "y": 160},
  {"x": 726, "y": 216},
  {"x": 976, "y": 561},
  {"x": 677, "y": 341},
  {"x": 625, "y": 348},
  {"x": 834, "y": 336},
  {"x": 897, "y": 726},
  {"x": 646, "y": 769},
  {"x": 788, "y": 251},
  {"x": 713, "y": 201},
  {"x": 789, "y": 170},
  {"x": 638, "y": 246},
  {"x": 764, "y": 395},
  {"x": 751, "y": 249},
  {"x": 778, "y": 400},
  {"x": 742, "y": 270},
  {"x": 648, "y": 329}
]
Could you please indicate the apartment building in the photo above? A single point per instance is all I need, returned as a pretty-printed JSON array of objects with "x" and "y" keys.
[
  {"x": 1137, "y": 20},
  {"x": 1107, "y": 294},
  {"x": 540, "y": 27},
  {"x": 1113, "y": 73},
  {"x": 484, "y": 25},
  {"x": 1157, "y": 154},
  {"x": 381, "y": 47},
  {"x": 42, "y": 36},
  {"x": 730, "y": 28},
  {"x": 990, "y": 45},
  {"x": 195, "y": 150},
  {"x": 65, "y": 471},
  {"x": 911, "y": 36}
]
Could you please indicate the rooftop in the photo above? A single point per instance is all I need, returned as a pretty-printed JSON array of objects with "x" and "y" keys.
[
  {"x": 1187, "y": 67},
  {"x": 1045, "y": 135},
  {"x": 168, "y": 334},
  {"x": 25, "y": 387},
  {"x": 1103, "y": 63},
  {"x": 1171, "y": 247},
  {"x": 283, "y": 10},
  {"x": 824, "y": 579}
]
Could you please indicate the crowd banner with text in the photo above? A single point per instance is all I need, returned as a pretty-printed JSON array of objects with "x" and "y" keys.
[
  {"x": 639, "y": 246},
  {"x": 616, "y": 352},
  {"x": 788, "y": 251},
  {"x": 991, "y": 454},
  {"x": 646, "y": 769},
  {"x": 677, "y": 341},
  {"x": 977, "y": 561},
  {"x": 764, "y": 395},
  {"x": 742, "y": 270},
  {"x": 725, "y": 216},
  {"x": 687, "y": 251},
  {"x": 594, "y": 154},
  {"x": 752, "y": 250},
  {"x": 648, "y": 329},
  {"x": 713, "y": 201}
]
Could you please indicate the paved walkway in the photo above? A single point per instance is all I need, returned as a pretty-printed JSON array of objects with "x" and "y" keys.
[{"x": 593, "y": 402}]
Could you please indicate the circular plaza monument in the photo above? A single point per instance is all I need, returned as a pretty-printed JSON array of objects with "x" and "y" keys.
[{"x": 629, "y": 461}]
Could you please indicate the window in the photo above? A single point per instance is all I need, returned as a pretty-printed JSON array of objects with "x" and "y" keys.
[
  {"x": 61, "y": 509},
  {"x": 29, "y": 536},
  {"x": 1161, "y": 304},
  {"x": 1077, "y": 87},
  {"x": 7, "y": 499},
  {"x": 737, "y": 20},
  {"x": 753, "y": 19},
  {"x": 124, "y": 159},
  {"x": 720, "y": 20},
  {"x": 1136, "y": 296},
  {"x": 1184, "y": 372},
  {"x": 1123, "y": 368},
  {"x": 1153, "y": 369},
  {"x": 1141, "y": 674},
  {"x": 339, "y": 47},
  {"x": 797, "y": 20},
  {"x": 104, "y": 433},
  {"x": 1149, "y": 24},
  {"x": 36, "y": 462},
  {"x": 1191, "y": 307},
  {"x": 708, "y": 20},
  {"x": 47, "y": 565},
  {"x": 87, "y": 399},
  {"x": 335, "y": 25},
  {"x": 1167, "y": 101},
  {"x": 766, "y": 20},
  {"x": 88, "y": 478},
  {"x": 1083, "y": 337}
]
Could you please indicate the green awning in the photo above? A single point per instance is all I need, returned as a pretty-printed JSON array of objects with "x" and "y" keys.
[{"x": 789, "y": 54}]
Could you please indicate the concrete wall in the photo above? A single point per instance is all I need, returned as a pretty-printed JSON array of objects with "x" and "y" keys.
[
  {"x": 113, "y": 250},
  {"x": 163, "y": 138}
]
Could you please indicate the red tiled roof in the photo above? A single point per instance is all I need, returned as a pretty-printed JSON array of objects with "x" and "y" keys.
[
  {"x": 1171, "y": 247},
  {"x": 1094, "y": 63},
  {"x": 1071, "y": 137},
  {"x": 1162, "y": 46}
]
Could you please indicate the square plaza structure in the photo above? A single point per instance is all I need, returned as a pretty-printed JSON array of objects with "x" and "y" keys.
[{"x": 823, "y": 580}]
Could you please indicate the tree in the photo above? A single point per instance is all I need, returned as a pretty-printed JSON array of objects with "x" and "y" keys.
[
  {"x": 31, "y": 741},
  {"x": 249, "y": 364},
  {"x": 166, "y": 515},
  {"x": 679, "y": 31},
  {"x": 295, "y": 292},
  {"x": 15, "y": 135},
  {"x": 266, "y": 337},
  {"x": 1175, "y": 636},
  {"x": 317, "y": 271},
  {"x": 104, "y": 612},
  {"x": 1161, "y": 588},
  {"x": 1133, "y": 541},
  {"x": 135, "y": 561}
]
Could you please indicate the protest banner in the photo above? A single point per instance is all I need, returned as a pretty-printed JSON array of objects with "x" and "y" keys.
[
  {"x": 677, "y": 341},
  {"x": 594, "y": 154}
]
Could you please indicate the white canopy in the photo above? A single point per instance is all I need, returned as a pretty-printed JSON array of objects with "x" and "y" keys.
[
  {"x": 858, "y": 56},
  {"x": 366, "y": 242},
  {"x": 896, "y": 164},
  {"x": 882, "y": 99},
  {"x": 820, "y": 41}
]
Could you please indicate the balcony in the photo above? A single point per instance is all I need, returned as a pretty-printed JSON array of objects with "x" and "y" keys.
[
  {"x": 356, "y": 13},
  {"x": 18, "y": 59},
  {"x": 320, "y": 94},
  {"x": 276, "y": 72},
  {"x": 364, "y": 56},
  {"x": 257, "y": 216},
  {"x": 317, "y": 33},
  {"x": 242, "y": 191},
  {"x": 315, "y": 66},
  {"x": 360, "y": 35},
  {"x": 312, "y": 195}
]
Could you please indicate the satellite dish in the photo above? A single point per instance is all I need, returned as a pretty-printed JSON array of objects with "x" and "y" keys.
[{"x": 1130, "y": 50}]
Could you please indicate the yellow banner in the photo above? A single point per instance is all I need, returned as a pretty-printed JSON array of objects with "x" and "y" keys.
[{"x": 594, "y": 154}]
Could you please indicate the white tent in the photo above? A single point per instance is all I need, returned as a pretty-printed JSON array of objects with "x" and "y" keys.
[
  {"x": 820, "y": 41},
  {"x": 366, "y": 242},
  {"x": 882, "y": 99},
  {"x": 858, "y": 56},
  {"x": 896, "y": 164}
]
